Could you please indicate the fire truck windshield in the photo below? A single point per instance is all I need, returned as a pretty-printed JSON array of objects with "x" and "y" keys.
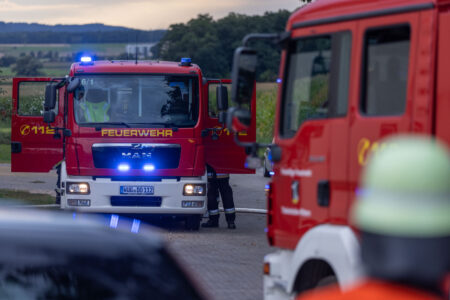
[{"x": 137, "y": 101}]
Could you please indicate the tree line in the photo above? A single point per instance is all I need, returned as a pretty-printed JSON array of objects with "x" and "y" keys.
[{"x": 211, "y": 43}]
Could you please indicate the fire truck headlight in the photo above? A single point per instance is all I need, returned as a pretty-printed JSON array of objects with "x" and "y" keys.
[
  {"x": 78, "y": 188},
  {"x": 194, "y": 190}
]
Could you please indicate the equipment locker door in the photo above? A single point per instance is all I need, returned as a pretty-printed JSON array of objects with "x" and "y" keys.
[
  {"x": 34, "y": 147},
  {"x": 222, "y": 153}
]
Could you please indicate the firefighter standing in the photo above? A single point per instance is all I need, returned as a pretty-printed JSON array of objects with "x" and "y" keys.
[
  {"x": 403, "y": 213},
  {"x": 216, "y": 183}
]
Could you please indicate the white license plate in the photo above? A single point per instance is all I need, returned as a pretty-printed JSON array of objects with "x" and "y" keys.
[{"x": 137, "y": 190}]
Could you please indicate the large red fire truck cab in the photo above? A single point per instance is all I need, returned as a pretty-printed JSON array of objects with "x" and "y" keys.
[
  {"x": 352, "y": 72},
  {"x": 128, "y": 136}
]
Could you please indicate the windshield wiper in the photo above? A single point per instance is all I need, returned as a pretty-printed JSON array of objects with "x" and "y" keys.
[
  {"x": 166, "y": 125},
  {"x": 117, "y": 123},
  {"x": 98, "y": 126}
]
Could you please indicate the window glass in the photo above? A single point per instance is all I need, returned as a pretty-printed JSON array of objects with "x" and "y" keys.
[
  {"x": 212, "y": 99},
  {"x": 385, "y": 71},
  {"x": 138, "y": 101},
  {"x": 31, "y": 98},
  {"x": 316, "y": 85}
]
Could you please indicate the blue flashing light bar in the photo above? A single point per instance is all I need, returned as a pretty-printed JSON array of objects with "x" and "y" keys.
[
  {"x": 279, "y": 80},
  {"x": 123, "y": 167},
  {"x": 271, "y": 173},
  {"x": 186, "y": 61},
  {"x": 86, "y": 59},
  {"x": 149, "y": 167}
]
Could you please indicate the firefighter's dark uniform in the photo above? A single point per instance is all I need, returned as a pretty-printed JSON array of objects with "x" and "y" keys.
[{"x": 219, "y": 183}]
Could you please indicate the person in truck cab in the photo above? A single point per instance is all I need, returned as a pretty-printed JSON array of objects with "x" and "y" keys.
[
  {"x": 403, "y": 214},
  {"x": 95, "y": 108}
]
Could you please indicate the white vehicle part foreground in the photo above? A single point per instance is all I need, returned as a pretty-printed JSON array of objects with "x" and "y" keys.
[
  {"x": 101, "y": 190},
  {"x": 335, "y": 245}
]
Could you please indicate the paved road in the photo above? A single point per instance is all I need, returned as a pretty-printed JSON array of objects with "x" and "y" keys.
[{"x": 227, "y": 263}]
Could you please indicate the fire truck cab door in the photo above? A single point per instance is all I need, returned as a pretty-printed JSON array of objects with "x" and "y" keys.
[
  {"x": 221, "y": 151},
  {"x": 34, "y": 148}
]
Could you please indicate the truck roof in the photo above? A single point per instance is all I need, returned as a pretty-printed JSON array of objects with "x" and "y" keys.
[
  {"x": 329, "y": 11},
  {"x": 130, "y": 66}
]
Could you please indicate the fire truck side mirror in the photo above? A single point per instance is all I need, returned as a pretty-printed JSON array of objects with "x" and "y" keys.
[
  {"x": 50, "y": 97},
  {"x": 222, "y": 97},
  {"x": 49, "y": 116},
  {"x": 243, "y": 75},
  {"x": 238, "y": 119},
  {"x": 73, "y": 85},
  {"x": 222, "y": 103}
]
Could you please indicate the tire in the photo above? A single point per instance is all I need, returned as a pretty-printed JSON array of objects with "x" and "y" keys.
[
  {"x": 329, "y": 280},
  {"x": 193, "y": 222}
]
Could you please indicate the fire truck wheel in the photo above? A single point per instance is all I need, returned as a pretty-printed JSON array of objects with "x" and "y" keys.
[
  {"x": 193, "y": 222},
  {"x": 332, "y": 279}
]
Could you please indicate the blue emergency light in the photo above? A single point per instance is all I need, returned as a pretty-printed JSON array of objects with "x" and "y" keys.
[
  {"x": 124, "y": 167},
  {"x": 185, "y": 62},
  {"x": 86, "y": 60},
  {"x": 149, "y": 167}
]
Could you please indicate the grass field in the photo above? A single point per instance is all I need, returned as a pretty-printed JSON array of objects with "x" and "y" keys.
[
  {"x": 26, "y": 198},
  {"x": 5, "y": 153}
]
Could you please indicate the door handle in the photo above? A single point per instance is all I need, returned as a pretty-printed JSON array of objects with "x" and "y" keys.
[{"x": 323, "y": 193}]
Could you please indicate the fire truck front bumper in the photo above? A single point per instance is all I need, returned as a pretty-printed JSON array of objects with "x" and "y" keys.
[{"x": 185, "y": 195}]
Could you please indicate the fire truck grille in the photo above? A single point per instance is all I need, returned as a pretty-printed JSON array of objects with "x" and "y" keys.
[
  {"x": 136, "y": 156},
  {"x": 136, "y": 201}
]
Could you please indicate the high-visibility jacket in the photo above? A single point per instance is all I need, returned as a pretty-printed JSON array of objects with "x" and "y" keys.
[
  {"x": 370, "y": 290},
  {"x": 95, "y": 112}
]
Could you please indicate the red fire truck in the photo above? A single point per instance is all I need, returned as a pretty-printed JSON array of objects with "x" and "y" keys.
[
  {"x": 352, "y": 72},
  {"x": 126, "y": 136}
]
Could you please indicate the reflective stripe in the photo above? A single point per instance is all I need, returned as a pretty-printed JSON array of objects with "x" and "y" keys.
[
  {"x": 213, "y": 212},
  {"x": 218, "y": 175},
  {"x": 230, "y": 210}
]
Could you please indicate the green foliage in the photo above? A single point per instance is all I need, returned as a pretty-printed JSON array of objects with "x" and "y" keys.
[
  {"x": 211, "y": 43},
  {"x": 5, "y": 135},
  {"x": 265, "y": 114},
  {"x": 5, "y": 109},
  {"x": 28, "y": 66},
  {"x": 26, "y": 197},
  {"x": 7, "y": 60},
  {"x": 5, "y": 153}
]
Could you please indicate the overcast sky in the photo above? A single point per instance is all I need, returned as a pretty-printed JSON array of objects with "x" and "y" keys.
[{"x": 142, "y": 14}]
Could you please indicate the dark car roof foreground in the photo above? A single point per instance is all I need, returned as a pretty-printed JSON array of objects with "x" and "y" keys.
[{"x": 66, "y": 256}]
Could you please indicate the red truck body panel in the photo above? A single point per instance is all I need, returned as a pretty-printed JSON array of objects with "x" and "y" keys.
[{"x": 331, "y": 151}]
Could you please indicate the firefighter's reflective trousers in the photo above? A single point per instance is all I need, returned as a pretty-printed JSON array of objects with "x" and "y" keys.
[{"x": 214, "y": 186}]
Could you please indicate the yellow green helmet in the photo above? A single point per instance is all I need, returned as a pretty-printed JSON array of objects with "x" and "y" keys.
[{"x": 405, "y": 189}]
